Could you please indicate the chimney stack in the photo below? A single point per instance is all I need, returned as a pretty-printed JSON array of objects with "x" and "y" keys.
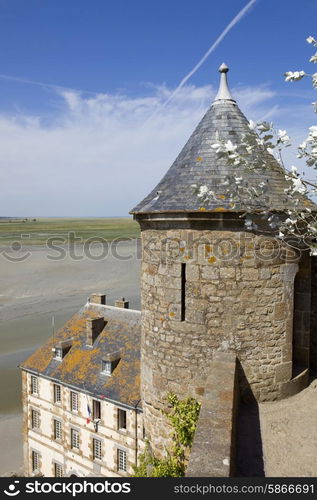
[
  {"x": 94, "y": 327},
  {"x": 98, "y": 298},
  {"x": 122, "y": 303}
]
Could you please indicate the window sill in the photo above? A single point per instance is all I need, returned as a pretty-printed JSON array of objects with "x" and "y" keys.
[{"x": 36, "y": 429}]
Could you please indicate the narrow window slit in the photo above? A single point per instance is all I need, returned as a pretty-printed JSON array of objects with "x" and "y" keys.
[{"x": 183, "y": 292}]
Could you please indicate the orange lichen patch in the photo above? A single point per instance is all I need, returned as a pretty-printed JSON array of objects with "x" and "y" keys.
[
  {"x": 151, "y": 269},
  {"x": 211, "y": 260},
  {"x": 202, "y": 209},
  {"x": 199, "y": 158},
  {"x": 307, "y": 203},
  {"x": 208, "y": 248},
  {"x": 225, "y": 251},
  {"x": 182, "y": 249},
  {"x": 221, "y": 197},
  {"x": 172, "y": 314},
  {"x": 186, "y": 257},
  {"x": 248, "y": 256},
  {"x": 81, "y": 366},
  {"x": 220, "y": 209}
]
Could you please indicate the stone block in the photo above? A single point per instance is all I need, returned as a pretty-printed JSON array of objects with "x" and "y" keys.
[
  {"x": 283, "y": 372},
  {"x": 250, "y": 274},
  {"x": 209, "y": 273},
  {"x": 227, "y": 273},
  {"x": 280, "y": 311},
  {"x": 192, "y": 272}
]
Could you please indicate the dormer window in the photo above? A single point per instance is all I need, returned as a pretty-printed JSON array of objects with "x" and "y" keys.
[
  {"x": 58, "y": 353},
  {"x": 106, "y": 367},
  {"x": 61, "y": 349},
  {"x": 110, "y": 361}
]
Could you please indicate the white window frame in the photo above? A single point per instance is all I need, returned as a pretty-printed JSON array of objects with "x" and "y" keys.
[
  {"x": 34, "y": 385},
  {"x": 97, "y": 448},
  {"x": 74, "y": 439},
  {"x": 122, "y": 419},
  {"x": 58, "y": 470},
  {"x": 122, "y": 460},
  {"x": 74, "y": 401},
  {"x": 57, "y": 388},
  {"x": 35, "y": 419},
  {"x": 35, "y": 461},
  {"x": 106, "y": 367},
  {"x": 58, "y": 432},
  {"x": 58, "y": 353}
]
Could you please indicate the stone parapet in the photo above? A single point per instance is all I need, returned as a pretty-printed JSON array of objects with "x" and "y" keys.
[{"x": 213, "y": 450}]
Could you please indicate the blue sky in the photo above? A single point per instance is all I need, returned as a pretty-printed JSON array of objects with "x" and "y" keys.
[{"x": 78, "y": 141}]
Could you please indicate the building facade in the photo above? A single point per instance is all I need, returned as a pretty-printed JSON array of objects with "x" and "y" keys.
[{"x": 89, "y": 424}]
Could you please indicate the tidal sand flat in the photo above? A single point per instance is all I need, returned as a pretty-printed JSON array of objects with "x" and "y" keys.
[{"x": 35, "y": 289}]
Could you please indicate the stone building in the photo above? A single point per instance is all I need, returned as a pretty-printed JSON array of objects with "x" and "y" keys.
[
  {"x": 81, "y": 402},
  {"x": 209, "y": 285},
  {"x": 217, "y": 299}
]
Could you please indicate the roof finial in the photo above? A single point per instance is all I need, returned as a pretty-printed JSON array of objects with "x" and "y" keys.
[{"x": 224, "y": 92}]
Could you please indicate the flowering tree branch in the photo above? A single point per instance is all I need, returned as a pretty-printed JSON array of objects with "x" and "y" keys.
[{"x": 259, "y": 150}]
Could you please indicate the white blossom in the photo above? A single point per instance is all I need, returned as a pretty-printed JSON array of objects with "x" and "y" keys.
[
  {"x": 313, "y": 58},
  {"x": 298, "y": 186},
  {"x": 311, "y": 39},
  {"x": 230, "y": 147},
  {"x": 203, "y": 190},
  {"x": 252, "y": 125},
  {"x": 283, "y": 137},
  {"x": 292, "y": 76}
]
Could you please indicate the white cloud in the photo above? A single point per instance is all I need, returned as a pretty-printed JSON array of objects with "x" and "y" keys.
[{"x": 102, "y": 154}]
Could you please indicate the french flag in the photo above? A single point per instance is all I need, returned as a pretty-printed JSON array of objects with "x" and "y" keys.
[{"x": 88, "y": 419}]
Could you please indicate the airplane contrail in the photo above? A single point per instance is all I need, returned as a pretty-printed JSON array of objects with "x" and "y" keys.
[
  {"x": 42, "y": 84},
  {"x": 232, "y": 23}
]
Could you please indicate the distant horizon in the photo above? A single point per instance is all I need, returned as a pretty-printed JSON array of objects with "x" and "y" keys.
[{"x": 66, "y": 217}]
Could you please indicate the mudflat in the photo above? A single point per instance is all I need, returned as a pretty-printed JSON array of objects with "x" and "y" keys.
[{"x": 33, "y": 289}]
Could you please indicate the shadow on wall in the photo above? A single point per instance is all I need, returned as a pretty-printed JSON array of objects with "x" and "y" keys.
[{"x": 249, "y": 450}]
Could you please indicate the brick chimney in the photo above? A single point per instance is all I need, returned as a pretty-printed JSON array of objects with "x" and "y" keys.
[
  {"x": 94, "y": 327},
  {"x": 98, "y": 298},
  {"x": 122, "y": 303}
]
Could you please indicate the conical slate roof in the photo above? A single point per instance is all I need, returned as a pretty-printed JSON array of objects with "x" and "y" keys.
[{"x": 198, "y": 164}]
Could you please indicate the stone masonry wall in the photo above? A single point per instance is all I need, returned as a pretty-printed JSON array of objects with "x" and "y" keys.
[
  {"x": 238, "y": 298},
  {"x": 302, "y": 312},
  {"x": 313, "y": 317}
]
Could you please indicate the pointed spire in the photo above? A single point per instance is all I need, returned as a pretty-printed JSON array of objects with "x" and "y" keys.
[{"x": 224, "y": 92}]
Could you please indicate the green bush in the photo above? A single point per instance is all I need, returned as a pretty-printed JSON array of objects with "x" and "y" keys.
[{"x": 183, "y": 418}]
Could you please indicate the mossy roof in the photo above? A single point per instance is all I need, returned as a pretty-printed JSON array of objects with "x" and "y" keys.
[{"x": 82, "y": 365}]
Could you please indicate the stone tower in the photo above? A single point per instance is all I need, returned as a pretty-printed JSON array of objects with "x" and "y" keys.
[{"x": 208, "y": 284}]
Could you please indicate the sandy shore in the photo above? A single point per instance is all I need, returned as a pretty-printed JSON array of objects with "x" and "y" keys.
[
  {"x": 34, "y": 290},
  {"x": 11, "y": 457}
]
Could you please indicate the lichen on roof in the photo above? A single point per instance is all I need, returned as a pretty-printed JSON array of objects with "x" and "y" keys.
[{"x": 81, "y": 366}]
